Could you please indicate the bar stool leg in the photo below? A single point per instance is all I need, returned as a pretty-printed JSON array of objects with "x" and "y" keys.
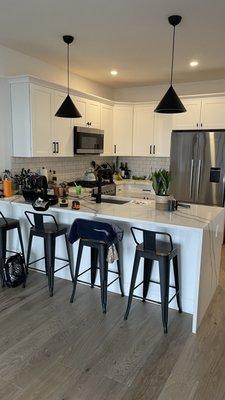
[
  {"x": 94, "y": 262},
  {"x": 50, "y": 244},
  {"x": 2, "y": 254},
  {"x": 21, "y": 241},
  {"x": 133, "y": 281},
  {"x": 119, "y": 272},
  {"x": 164, "y": 273},
  {"x": 79, "y": 255},
  {"x": 176, "y": 279},
  {"x": 103, "y": 265},
  {"x": 29, "y": 251},
  {"x": 147, "y": 276},
  {"x": 46, "y": 251},
  {"x": 69, "y": 253}
]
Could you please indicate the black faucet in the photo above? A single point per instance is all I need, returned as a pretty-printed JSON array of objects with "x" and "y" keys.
[{"x": 98, "y": 198}]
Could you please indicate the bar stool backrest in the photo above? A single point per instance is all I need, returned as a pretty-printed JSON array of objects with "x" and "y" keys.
[
  {"x": 5, "y": 220},
  {"x": 150, "y": 238},
  {"x": 37, "y": 220},
  {"x": 92, "y": 230}
]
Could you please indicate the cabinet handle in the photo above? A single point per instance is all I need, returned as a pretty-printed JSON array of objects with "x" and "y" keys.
[
  {"x": 57, "y": 147},
  {"x": 53, "y": 148},
  {"x": 201, "y": 124},
  {"x": 154, "y": 149},
  {"x": 114, "y": 148},
  {"x": 150, "y": 149},
  {"x": 197, "y": 124}
]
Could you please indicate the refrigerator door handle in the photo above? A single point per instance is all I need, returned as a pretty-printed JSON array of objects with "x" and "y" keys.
[
  {"x": 199, "y": 174},
  {"x": 191, "y": 178}
]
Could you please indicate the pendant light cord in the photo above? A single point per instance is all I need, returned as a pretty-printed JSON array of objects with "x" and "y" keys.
[
  {"x": 68, "y": 66},
  {"x": 172, "y": 61}
]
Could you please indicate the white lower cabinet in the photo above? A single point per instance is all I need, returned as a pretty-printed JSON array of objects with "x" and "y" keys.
[
  {"x": 123, "y": 130},
  {"x": 107, "y": 127}
]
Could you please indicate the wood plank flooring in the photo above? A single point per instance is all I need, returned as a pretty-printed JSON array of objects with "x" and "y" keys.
[{"x": 53, "y": 350}]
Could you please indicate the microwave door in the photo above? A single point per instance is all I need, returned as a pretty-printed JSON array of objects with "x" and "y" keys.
[{"x": 88, "y": 143}]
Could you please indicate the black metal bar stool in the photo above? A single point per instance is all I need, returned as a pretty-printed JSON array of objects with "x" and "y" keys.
[
  {"x": 7, "y": 224},
  {"x": 151, "y": 250},
  {"x": 49, "y": 231},
  {"x": 93, "y": 234}
]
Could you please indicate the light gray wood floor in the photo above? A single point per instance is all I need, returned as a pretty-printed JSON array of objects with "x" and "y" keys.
[{"x": 53, "y": 350}]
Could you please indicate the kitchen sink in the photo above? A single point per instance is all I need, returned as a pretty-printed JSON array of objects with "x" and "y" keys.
[{"x": 115, "y": 201}]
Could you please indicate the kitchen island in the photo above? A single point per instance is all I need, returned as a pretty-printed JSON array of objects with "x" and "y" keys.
[{"x": 196, "y": 231}]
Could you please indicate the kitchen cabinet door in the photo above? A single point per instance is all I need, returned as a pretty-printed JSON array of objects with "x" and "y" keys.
[
  {"x": 93, "y": 111},
  {"x": 123, "y": 130},
  {"x": 213, "y": 113},
  {"x": 162, "y": 135},
  {"x": 62, "y": 129},
  {"x": 107, "y": 126},
  {"x": 41, "y": 116},
  {"x": 143, "y": 133},
  {"x": 80, "y": 103},
  {"x": 189, "y": 119}
]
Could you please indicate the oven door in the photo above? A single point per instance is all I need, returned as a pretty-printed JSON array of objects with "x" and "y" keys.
[{"x": 88, "y": 141}]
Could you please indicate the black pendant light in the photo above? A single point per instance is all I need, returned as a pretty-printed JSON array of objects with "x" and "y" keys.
[
  {"x": 68, "y": 108},
  {"x": 170, "y": 103}
]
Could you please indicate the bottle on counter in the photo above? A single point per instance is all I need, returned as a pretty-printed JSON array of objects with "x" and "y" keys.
[
  {"x": 54, "y": 177},
  {"x": 122, "y": 170},
  {"x": 44, "y": 172},
  {"x": 7, "y": 187}
]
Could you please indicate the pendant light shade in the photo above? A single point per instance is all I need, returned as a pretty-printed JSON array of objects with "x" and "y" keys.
[
  {"x": 170, "y": 103},
  {"x": 68, "y": 108}
]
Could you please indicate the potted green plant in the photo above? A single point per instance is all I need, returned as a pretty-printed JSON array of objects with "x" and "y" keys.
[{"x": 160, "y": 183}]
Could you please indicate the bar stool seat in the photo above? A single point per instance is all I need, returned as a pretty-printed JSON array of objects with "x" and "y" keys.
[
  {"x": 49, "y": 231},
  {"x": 163, "y": 251},
  {"x": 50, "y": 228},
  {"x": 99, "y": 236},
  {"x": 7, "y": 224}
]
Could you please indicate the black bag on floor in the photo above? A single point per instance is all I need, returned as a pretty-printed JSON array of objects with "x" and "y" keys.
[{"x": 15, "y": 271}]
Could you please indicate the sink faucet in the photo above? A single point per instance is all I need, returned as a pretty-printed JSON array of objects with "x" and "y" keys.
[{"x": 99, "y": 182}]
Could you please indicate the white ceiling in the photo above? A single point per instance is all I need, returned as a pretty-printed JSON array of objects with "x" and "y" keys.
[{"x": 132, "y": 36}]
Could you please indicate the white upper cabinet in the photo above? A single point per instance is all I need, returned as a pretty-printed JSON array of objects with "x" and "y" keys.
[
  {"x": 62, "y": 137},
  {"x": 213, "y": 113},
  {"x": 107, "y": 126},
  {"x": 143, "y": 132},
  {"x": 41, "y": 106},
  {"x": 123, "y": 130},
  {"x": 93, "y": 112},
  {"x": 189, "y": 119},
  {"x": 162, "y": 134},
  {"x": 31, "y": 120},
  {"x": 80, "y": 103}
]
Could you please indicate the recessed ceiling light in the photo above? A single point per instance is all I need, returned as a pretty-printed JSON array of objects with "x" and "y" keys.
[
  {"x": 114, "y": 72},
  {"x": 193, "y": 64}
]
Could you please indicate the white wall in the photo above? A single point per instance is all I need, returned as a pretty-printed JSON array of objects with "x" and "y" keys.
[
  {"x": 16, "y": 63},
  {"x": 5, "y": 126},
  {"x": 151, "y": 93}
]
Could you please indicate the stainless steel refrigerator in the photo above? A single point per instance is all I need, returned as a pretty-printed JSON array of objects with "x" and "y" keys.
[{"x": 198, "y": 166}]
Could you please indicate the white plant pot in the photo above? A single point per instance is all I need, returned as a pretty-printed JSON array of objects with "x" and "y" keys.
[{"x": 161, "y": 202}]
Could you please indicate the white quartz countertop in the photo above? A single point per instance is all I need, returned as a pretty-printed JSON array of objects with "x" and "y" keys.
[{"x": 195, "y": 217}]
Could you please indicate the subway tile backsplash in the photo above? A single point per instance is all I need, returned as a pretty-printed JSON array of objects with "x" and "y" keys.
[
  {"x": 140, "y": 166},
  {"x": 69, "y": 168}
]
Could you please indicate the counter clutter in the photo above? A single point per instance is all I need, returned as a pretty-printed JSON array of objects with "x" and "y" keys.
[{"x": 196, "y": 231}]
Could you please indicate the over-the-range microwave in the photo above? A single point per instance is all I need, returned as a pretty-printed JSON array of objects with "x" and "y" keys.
[{"x": 88, "y": 140}]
